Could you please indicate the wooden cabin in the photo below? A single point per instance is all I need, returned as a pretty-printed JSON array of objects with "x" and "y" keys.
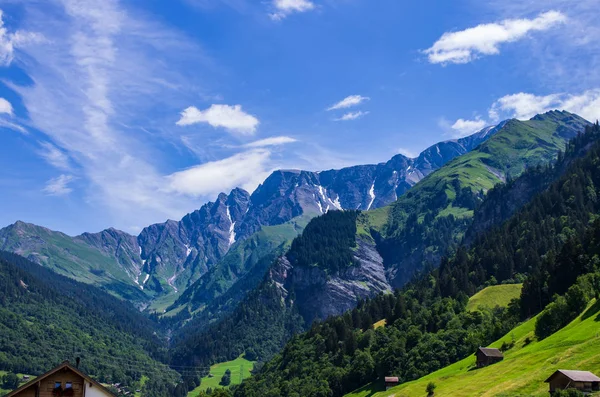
[
  {"x": 487, "y": 356},
  {"x": 583, "y": 381},
  {"x": 64, "y": 380},
  {"x": 391, "y": 381}
]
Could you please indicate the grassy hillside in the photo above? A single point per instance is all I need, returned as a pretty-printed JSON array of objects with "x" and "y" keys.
[
  {"x": 239, "y": 366},
  {"x": 433, "y": 216},
  {"x": 70, "y": 257},
  {"x": 525, "y": 366},
  {"x": 495, "y": 295}
]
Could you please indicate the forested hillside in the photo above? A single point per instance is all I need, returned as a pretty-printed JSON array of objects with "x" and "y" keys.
[
  {"x": 433, "y": 217},
  {"x": 46, "y": 318},
  {"x": 428, "y": 326}
]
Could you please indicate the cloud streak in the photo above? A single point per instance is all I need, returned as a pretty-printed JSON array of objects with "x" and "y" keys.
[
  {"x": 352, "y": 116},
  {"x": 485, "y": 39},
  {"x": 348, "y": 102},
  {"x": 273, "y": 141},
  {"x": 246, "y": 169},
  {"x": 59, "y": 186},
  {"x": 11, "y": 41}
]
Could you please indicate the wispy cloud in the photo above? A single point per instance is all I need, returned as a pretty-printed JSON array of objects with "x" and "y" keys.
[
  {"x": 273, "y": 141},
  {"x": 13, "y": 126},
  {"x": 54, "y": 156},
  {"x": 348, "y": 102},
  {"x": 246, "y": 169},
  {"x": 407, "y": 152},
  {"x": 232, "y": 118},
  {"x": 464, "y": 127},
  {"x": 283, "y": 8},
  {"x": 59, "y": 186},
  {"x": 485, "y": 39},
  {"x": 352, "y": 116},
  {"x": 102, "y": 71},
  {"x": 525, "y": 105},
  {"x": 11, "y": 41},
  {"x": 6, "y": 107}
]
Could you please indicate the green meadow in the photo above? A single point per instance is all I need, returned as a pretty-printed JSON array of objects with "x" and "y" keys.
[{"x": 523, "y": 370}]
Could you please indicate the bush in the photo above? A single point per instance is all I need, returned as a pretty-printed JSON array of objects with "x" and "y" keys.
[
  {"x": 10, "y": 381},
  {"x": 430, "y": 388},
  {"x": 226, "y": 379},
  {"x": 568, "y": 393}
]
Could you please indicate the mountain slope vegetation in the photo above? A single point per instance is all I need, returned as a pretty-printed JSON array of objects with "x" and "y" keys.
[
  {"x": 428, "y": 324},
  {"x": 524, "y": 369},
  {"x": 46, "y": 318}
]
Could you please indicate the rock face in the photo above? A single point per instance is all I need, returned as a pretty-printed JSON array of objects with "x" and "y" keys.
[
  {"x": 169, "y": 257},
  {"x": 319, "y": 296}
]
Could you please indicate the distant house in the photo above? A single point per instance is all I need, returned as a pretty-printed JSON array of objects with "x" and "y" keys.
[
  {"x": 391, "y": 381},
  {"x": 487, "y": 356},
  {"x": 566, "y": 379},
  {"x": 64, "y": 380}
]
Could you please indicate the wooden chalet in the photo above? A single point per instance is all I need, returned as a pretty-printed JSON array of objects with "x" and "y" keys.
[
  {"x": 391, "y": 381},
  {"x": 487, "y": 356},
  {"x": 64, "y": 380},
  {"x": 583, "y": 381}
]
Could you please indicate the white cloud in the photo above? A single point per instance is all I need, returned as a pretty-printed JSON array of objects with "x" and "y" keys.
[
  {"x": 464, "y": 127},
  {"x": 525, "y": 105},
  {"x": 283, "y": 8},
  {"x": 352, "y": 116},
  {"x": 273, "y": 141},
  {"x": 10, "y": 41},
  {"x": 59, "y": 186},
  {"x": 103, "y": 86},
  {"x": 247, "y": 170},
  {"x": 5, "y": 107},
  {"x": 232, "y": 118},
  {"x": 13, "y": 126},
  {"x": 54, "y": 156},
  {"x": 407, "y": 152},
  {"x": 467, "y": 45},
  {"x": 350, "y": 101}
]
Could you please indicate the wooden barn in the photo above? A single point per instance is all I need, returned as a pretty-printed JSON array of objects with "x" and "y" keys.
[
  {"x": 391, "y": 381},
  {"x": 64, "y": 380},
  {"x": 583, "y": 381},
  {"x": 487, "y": 356}
]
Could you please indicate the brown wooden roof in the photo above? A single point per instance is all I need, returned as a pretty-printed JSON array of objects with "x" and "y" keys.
[
  {"x": 64, "y": 365},
  {"x": 576, "y": 376},
  {"x": 491, "y": 352},
  {"x": 392, "y": 379}
]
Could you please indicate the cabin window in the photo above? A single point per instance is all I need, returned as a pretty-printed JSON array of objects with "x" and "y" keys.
[
  {"x": 69, "y": 385},
  {"x": 57, "y": 384}
]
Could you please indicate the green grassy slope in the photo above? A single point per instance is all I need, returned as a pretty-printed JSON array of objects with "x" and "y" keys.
[
  {"x": 518, "y": 145},
  {"x": 525, "y": 366},
  {"x": 495, "y": 295},
  {"x": 237, "y": 367},
  {"x": 70, "y": 257}
]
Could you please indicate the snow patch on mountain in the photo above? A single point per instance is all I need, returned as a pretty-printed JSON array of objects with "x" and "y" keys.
[{"x": 372, "y": 195}]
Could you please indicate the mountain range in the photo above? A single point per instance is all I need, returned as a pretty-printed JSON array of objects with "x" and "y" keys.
[
  {"x": 404, "y": 242},
  {"x": 167, "y": 258}
]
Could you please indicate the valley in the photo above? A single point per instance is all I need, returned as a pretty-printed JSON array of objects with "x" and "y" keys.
[{"x": 447, "y": 254}]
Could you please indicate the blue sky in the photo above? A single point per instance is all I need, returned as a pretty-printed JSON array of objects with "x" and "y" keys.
[{"x": 126, "y": 113}]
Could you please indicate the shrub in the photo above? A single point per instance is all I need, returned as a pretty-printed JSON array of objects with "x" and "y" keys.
[{"x": 430, "y": 388}]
